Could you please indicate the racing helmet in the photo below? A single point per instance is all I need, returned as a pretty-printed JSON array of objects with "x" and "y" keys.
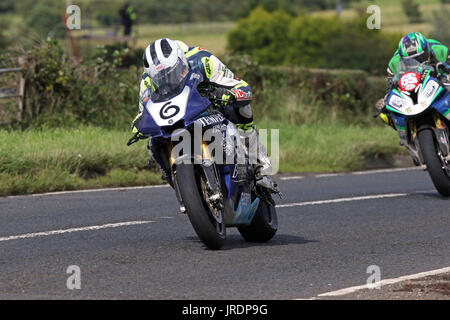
[
  {"x": 414, "y": 45},
  {"x": 166, "y": 65}
]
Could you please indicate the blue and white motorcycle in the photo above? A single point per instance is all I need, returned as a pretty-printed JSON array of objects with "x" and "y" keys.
[
  {"x": 419, "y": 105},
  {"x": 215, "y": 194}
]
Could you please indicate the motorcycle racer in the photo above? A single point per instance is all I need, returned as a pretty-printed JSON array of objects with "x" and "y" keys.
[
  {"x": 414, "y": 45},
  {"x": 166, "y": 64}
]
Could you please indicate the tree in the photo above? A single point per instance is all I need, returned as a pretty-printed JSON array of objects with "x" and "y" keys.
[
  {"x": 3, "y": 40},
  {"x": 441, "y": 24},
  {"x": 412, "y": 11},
  {"x": 44, "y": 18},
  {"x": 262, "y": 35}
]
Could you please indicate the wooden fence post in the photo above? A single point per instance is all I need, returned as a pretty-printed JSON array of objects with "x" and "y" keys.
[{"x": 18, "y": 93}]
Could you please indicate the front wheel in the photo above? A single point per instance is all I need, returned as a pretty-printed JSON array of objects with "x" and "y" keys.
[
  {"x": 208, "y": 225},
  {"x": 436, "y": 165},
  {"x": 263, "y": 226}
]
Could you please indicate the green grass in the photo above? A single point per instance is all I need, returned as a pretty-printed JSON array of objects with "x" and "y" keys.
[
  {"x": 210, "y": 35},
  {"x": 50, "y": 160},
  {"x": 47, "y": 160},
  {"x": 393, "y": 18},
  {"x": 332, "y": 147}
]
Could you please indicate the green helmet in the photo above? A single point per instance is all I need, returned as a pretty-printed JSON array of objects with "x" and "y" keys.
[{"x": 414, "y": 45}]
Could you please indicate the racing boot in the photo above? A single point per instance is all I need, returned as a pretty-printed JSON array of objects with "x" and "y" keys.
[{"x": 257, "y": 155}]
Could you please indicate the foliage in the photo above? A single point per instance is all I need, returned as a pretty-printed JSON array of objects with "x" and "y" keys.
[
  {"x": 441, "y": 24},
  {"x": 316, "y": 42},
  {"x": 261, "y": 35},
  {"x": 168, "y": 11},
  {"x": 360, "y": 48},
  {"x": 103, "y": 90},
  {"x": 124, "y": 56},
  {"x": 300, "y": 95},
  {"x": 60, "y": 92},
  {"x": 43, "y": 18},
  {"x": 308, "y": 38},
  {"x": 268, "y": 5},
  {"x": 3, "y": 40},
  {"x": 412, "y": 11}
]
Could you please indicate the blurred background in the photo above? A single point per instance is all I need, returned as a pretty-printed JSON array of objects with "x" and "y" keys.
[{"x": 315, "y": 68}]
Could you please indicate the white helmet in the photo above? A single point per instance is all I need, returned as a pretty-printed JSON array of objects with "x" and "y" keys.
[{"x": 167, "y": 66}]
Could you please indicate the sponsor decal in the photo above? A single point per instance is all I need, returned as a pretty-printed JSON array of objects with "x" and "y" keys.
[
  {"x": 409, "y": 81},
  {"x": 159, "y": 67},
  {"x": 397, "y": 102},
  {"x": 430, "y": 89},
  {"x": 207, "y": 63},
  {"x": 241, "y": 95},
  {"x": 195, "y": 76},
  {"x": 211, "y": 119}
]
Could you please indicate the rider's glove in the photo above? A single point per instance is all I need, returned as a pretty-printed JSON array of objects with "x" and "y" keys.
[
  {"x": 223, "y": 96},
  {"x": 379, "y": 107},
  {"x": 134, "y": 126}
]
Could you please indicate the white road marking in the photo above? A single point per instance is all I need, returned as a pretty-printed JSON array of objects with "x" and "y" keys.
[
  {"x": 61, "y": 231},
  {"x": 387, "y": 170},
  {"x": 370, "y": 197},
  {"x": 91, "y": 190},
  {"x": 292, "y": 178},
  {"x": 385, "y": 282},
  {"x": 295, "y": 177},
  {"x": 327, "y": 175}
]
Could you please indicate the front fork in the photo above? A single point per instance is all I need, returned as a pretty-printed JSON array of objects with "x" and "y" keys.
[{"x": 213, "y": 194}]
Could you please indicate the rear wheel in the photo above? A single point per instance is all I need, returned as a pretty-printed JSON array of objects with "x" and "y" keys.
[
  {"x": 207, "y": 223},
  {"x": 436, "y": 165},
  {"x": 263, "y": 226}
]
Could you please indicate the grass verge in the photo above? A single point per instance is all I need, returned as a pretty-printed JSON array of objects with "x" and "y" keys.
[
  {"x": 45, "y": 160},
  {"x": 332, "y": 147}
]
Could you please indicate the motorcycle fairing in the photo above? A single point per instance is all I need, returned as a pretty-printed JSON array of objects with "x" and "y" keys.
[
  {"x": 239, "y": 209},
  {"x": 429, "y": 93},
  {"x": 179, "y": 112}
]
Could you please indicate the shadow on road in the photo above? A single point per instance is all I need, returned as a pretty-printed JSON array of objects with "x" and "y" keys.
[
  {"x": 430, "y": 194},
  {"x": 235, "y": 241}
]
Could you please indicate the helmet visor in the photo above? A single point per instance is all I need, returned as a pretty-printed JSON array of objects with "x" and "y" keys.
[
  {"x": 169, "y": 81},
  {"x": 420, "y": 56}
]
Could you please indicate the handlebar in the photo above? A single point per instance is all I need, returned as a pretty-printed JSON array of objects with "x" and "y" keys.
[
  {"x": 443, "y": 67},
  {"x": 133, "y": 139}
]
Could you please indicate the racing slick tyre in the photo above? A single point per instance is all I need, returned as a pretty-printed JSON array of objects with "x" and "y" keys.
[
  {"x": 210, "y": 229},
  {"x": 263, "y": 226},
  {"x": 436, "y": 164}
]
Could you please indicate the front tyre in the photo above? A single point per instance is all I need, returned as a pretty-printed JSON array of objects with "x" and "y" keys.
[
  {"x": 263, "y": 226},
  {"x": 434, "y": 161},
  {"x": 210, "y": 232}
]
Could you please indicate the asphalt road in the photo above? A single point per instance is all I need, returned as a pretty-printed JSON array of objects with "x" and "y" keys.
[{"x": 134, "y": 243}]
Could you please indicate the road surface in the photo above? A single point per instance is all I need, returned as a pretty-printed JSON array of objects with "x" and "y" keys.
[{"x": 133, "y": 243}]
